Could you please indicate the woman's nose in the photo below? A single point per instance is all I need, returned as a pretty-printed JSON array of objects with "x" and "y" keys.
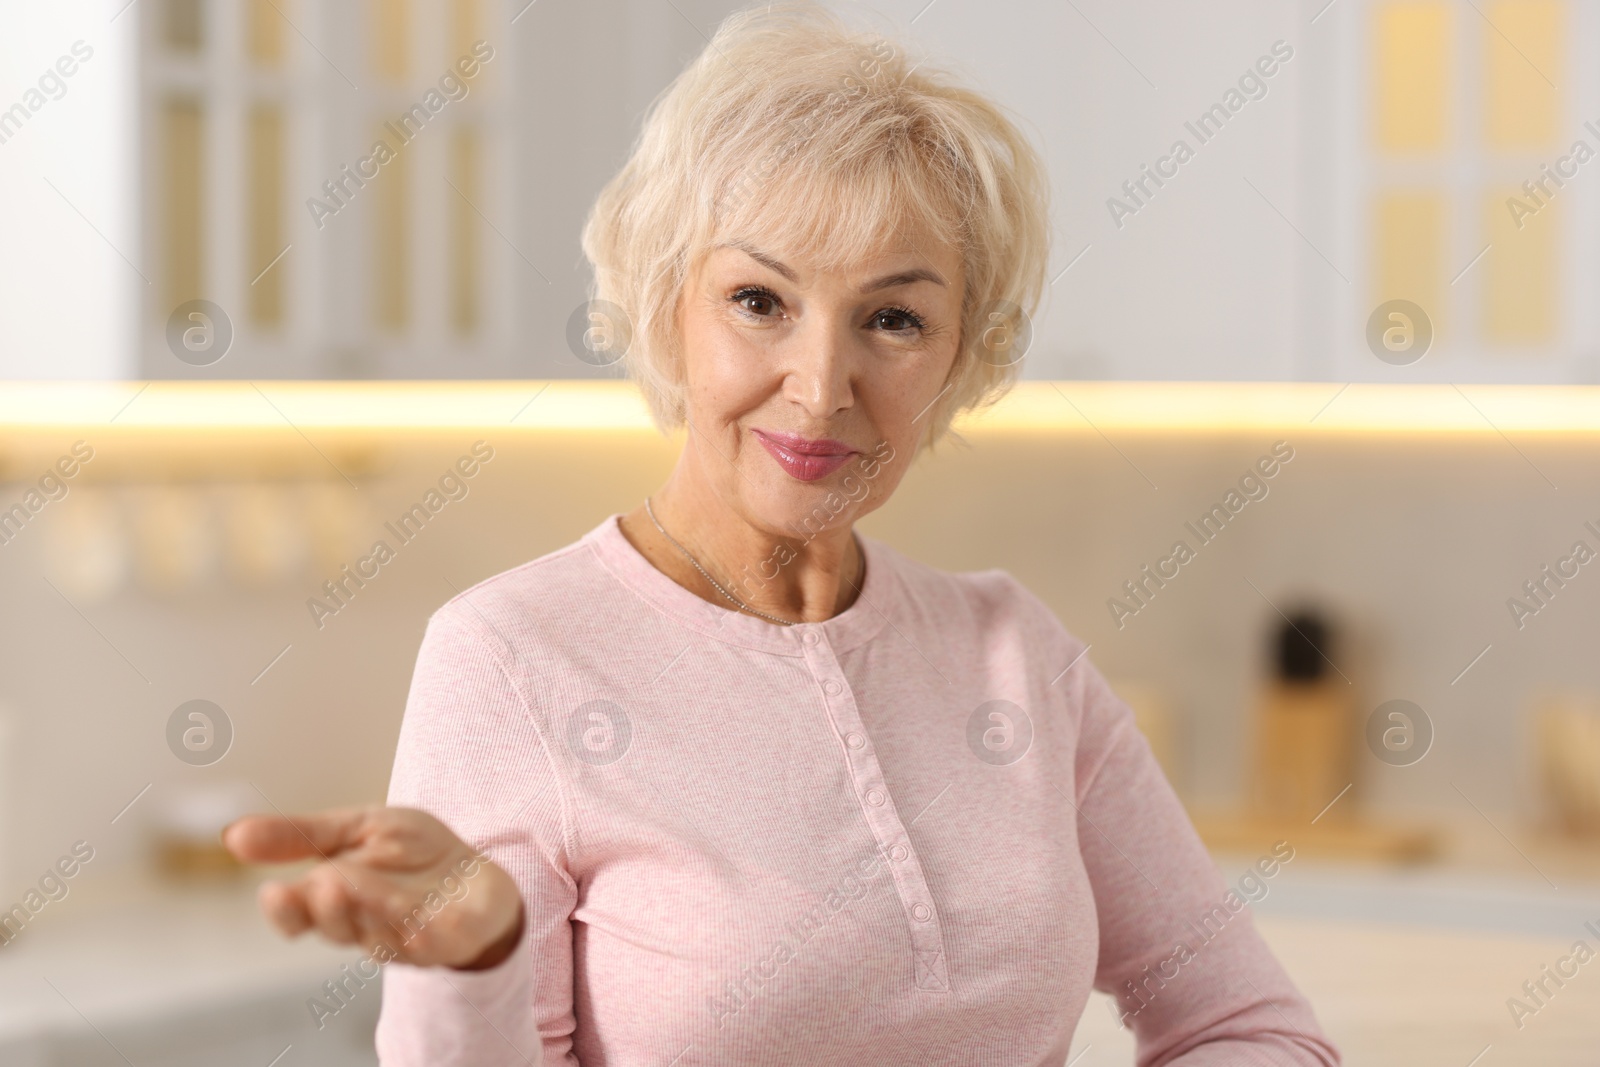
[{"x": 821, "y": 367}]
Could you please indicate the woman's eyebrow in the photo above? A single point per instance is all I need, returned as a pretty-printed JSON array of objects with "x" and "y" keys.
[
  {"x": 888, "y": 281},
  {"x": 763, "y": 259},
  {"x": 904, "y": 277}
]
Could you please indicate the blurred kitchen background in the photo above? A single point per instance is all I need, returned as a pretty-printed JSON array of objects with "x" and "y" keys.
[{"x": 188, "y": 485}]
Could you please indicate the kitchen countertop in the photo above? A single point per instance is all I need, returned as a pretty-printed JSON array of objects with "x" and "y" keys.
[
  {"x": 129, "y": 964},
  {"x": 1409, "y": 966}
]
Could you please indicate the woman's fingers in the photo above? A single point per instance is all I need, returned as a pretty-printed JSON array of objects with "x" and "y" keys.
[
  {"x": 276, "y": 839},
  {"x": 346, "y": 904},
  {"x": 389, "y": 877},
  {"x": 400, "y": 838},
  {"x": 285, "y": 906},
  {"x": 330, "y": 900}
]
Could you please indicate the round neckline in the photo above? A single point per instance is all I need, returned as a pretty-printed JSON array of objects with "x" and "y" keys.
[{"x": 857, "y": 623}]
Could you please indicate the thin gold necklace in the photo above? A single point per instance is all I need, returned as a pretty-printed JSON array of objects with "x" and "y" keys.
[{"x": 715, "y": 584}]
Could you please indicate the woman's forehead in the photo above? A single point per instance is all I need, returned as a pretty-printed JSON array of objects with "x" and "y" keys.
[{"x": 886, "y": 247}]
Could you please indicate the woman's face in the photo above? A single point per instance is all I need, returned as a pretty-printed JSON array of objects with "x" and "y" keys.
[{"x": 808, "y": 391}]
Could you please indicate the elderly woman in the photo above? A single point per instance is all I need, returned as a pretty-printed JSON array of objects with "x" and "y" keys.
[{"x": 725, "y": 782}]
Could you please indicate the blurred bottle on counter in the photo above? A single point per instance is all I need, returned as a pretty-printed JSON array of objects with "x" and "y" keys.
[{"x": 1305, "y": 724}]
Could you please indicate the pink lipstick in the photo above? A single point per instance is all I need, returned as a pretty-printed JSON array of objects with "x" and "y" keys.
[{"x": 805, "y": 458}]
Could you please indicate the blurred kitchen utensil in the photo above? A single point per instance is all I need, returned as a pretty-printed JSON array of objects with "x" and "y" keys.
[{"x": 1305, "y": 722}]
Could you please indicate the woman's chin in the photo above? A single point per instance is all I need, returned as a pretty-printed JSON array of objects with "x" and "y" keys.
[{"x": 803, "y": 509}]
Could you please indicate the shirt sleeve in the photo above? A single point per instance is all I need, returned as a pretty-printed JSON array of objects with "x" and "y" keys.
[
  {"x": 1191, "y": 975},
  {"x": 1178, "y": 948},
  {"x": 470, "y": 755}
]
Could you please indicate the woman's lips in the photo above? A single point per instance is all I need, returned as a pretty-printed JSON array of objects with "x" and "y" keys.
[{"x": 805, "y": 458}]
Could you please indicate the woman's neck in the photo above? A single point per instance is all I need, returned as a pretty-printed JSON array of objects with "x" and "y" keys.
[{"x": 799, "y": 578}]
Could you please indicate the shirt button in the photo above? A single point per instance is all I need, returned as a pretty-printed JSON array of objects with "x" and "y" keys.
[
  {"x": 831, "y": 688},
  {"x": 874, "y": 798},
  {"x": 854, "y": 740},
  {"x": 809, "y": 637},
  {"x": 921, "y": 912},
  {"x": 897, "y": 853}
]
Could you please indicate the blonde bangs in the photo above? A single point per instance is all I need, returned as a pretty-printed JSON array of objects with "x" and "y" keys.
[{"x": 866, "y": 207}]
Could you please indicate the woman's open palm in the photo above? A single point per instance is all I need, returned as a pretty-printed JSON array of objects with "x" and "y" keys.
[{"x": 396, "y": 881}]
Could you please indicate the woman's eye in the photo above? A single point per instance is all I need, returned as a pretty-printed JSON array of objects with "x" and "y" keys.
[
  {"x": 758, "y": 302},
  {"x": 897, "y": 320},
  {"x": 764, "y": 304}
]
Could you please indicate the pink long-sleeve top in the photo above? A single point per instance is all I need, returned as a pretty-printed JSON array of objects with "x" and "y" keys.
[{"x": 915, "y": 833}]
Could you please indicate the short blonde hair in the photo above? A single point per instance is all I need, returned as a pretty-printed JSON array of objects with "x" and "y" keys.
[{"x": 789, "y": 106}]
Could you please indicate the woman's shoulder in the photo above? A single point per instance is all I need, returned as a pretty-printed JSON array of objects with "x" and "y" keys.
[
  {"x": 990, "y": 599},
  {"x": 562, "y": 586}
]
